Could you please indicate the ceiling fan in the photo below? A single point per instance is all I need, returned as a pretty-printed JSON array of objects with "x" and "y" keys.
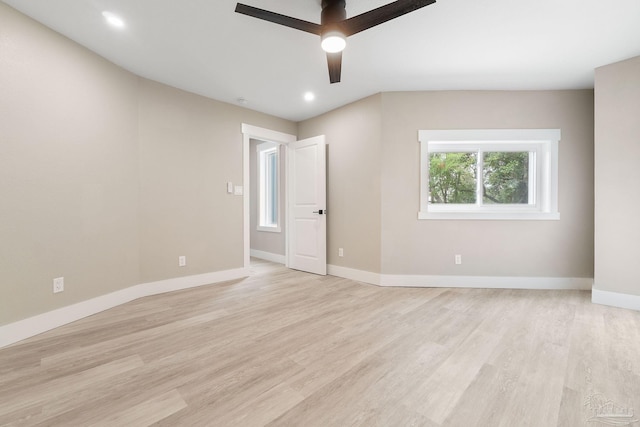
[{"x": 335, "y": 27}]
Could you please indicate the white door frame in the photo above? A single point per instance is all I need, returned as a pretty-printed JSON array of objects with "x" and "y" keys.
[{"x": 250, "y": 132}]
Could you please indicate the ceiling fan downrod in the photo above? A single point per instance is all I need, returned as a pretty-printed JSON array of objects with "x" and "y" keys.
[{"x": 333, "y": 11}]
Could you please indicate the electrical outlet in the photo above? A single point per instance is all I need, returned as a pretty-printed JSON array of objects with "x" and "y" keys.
[
  {"x": 182, "y": 261},
  {"x": 458, "y": 259},
  {"x": 58, "y": 285},
  {"x": 340, "y": 252}
]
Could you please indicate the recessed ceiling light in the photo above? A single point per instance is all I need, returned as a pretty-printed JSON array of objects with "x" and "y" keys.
[
  {"x": 309, "y": 96},
  {"x": 113, "y": 19}
]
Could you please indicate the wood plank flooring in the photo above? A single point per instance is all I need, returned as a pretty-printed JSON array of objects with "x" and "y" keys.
[{"x": 285, "y": 348}]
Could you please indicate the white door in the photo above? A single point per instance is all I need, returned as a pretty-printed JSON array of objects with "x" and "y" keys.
[{"x": 307, "y": 205}]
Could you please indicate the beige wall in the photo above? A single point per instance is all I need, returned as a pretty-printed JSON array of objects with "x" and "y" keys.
[
  {"x": 374, "y": 186},
  {"x": 353, "y": 181},
  {"x": 489, "y": 248},
  {"x": 68, "y": 171},
  {"x": 266, "y": 241},
  {"x": 106, "y": 178},
  {"x": 190, "y": 147},
  {"x": 617, "y": 150}
]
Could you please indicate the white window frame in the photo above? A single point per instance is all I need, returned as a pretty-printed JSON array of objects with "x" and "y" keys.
[
  {"x": 262, "y": 151},
  {"x": 543, "y": 182}
]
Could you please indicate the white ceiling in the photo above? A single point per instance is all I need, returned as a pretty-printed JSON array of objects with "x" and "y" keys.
[{"x": 202, "y": 46}]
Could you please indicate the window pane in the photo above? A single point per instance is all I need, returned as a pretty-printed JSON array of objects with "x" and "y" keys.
[
  {"x": 505, "y": 178},
  {"x": 268, "y": 187},
  {"x": 272, "y": 191},
  {"x": 452, "y": 177}
]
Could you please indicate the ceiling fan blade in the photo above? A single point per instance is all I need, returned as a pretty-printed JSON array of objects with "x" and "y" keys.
[
  {"x": 381, "y": 15},
  {"x": 335, "y": 66},
  {"x": 277, "y": 18}
]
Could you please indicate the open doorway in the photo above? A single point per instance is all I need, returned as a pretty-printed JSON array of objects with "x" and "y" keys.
[
  {"x": 267, "y": 178},
  {"x": 297, "y": 217},
  {"x": 261, "y": 243}
]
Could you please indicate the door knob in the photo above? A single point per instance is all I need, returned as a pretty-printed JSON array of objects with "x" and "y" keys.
[{"x": 321, "y": 211}]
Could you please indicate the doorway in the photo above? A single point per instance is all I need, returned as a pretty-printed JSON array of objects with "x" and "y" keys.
[
  {"x": 295, "y": 219},
  {"x": 267, "y": 216},
  {"x": 255, "y": 136}
]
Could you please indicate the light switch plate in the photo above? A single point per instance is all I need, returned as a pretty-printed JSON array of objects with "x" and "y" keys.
[
  {"x": 230, "y": 187},
  {"x": 238, "y": 191}
]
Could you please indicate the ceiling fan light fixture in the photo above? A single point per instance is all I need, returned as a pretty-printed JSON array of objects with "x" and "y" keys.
[{"x": 333, "y": 42}]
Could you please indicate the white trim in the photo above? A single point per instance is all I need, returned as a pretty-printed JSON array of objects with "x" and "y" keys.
[
  {"x": 490, "y": 135},
  {"x": 254, "y": 132},
  {"x": 264, "y": 134},
  {"x": 26, "y": 328},
  {"x": 268, "y": 229},
  {"x": 543, "y": 182},
  {"x": 506, "y": 216},
  {"x": 482, "y": 282},
  {"x": 262, "y": 150},
  {"x": 488, "y": 282},
  {"x": 615, "y": 299},
  {"x": 353, "y": 274},
  {"x": 268, "y": 256}
]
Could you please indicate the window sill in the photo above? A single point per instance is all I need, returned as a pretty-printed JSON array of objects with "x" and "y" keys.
[
  {"x": 504, "y": 216},
  {"x": 268, "y": 229}
]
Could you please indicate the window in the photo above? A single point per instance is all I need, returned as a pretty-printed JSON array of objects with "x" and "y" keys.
[
  {"x": 489, "y": 174},
  {"x": 268, "y": 187}
]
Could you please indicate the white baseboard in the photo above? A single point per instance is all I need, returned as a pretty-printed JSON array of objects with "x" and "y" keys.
[
  {"x": 615, "y": 299},
  {"x": 425, "y": 281},
  {"x": 488, "y": 282},
  {"x": 353, "y": 274},
  {"x": 22, "y": 329},
  {"x": 268, "y": 256}
]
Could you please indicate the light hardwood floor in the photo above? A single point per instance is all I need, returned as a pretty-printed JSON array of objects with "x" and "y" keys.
[{"x": 285, "y": 348}]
